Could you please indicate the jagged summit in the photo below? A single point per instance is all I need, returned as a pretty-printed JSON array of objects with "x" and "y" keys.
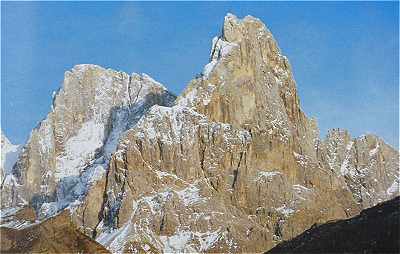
[
  {"x": 231, "y": 20},
  {"x": 83, "y": 71},
  {"x": 249, "y": 84}
]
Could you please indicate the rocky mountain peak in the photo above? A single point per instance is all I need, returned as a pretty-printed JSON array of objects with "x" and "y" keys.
[
  {"x": 71, "y": 147},
  {"x": 235, "y": 30},
  {"x": 249, "y": 84}
]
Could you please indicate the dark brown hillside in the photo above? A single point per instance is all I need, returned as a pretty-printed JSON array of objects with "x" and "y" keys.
[
  {"x": 375, "y": 230},
  {"x": 55, "y": 235}
]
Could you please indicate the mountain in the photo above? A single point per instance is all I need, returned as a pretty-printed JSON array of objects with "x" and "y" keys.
[
  {"x": 231, "y": 165},
  {"x": 71, "y": 148},
  {"x": 375, "y": 230}
]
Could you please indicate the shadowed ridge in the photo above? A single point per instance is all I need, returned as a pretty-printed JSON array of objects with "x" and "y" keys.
[
  {"x": 55, "y": 235},
  {"x": 375, "y": 230}
]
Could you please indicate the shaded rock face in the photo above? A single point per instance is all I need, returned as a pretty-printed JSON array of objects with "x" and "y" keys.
[
  {"x": 8, "y": 182},
  {"x": 375, "y": 230},
  {"x": 233, "y": 165}
]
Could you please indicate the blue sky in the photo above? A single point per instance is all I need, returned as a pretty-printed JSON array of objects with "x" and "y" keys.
[{"x": 344, "y": 55}]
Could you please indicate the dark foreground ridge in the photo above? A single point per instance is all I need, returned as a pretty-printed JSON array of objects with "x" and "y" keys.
[
  {"x": 55, "y": 235},
  {"x": 375, "y": 230}
]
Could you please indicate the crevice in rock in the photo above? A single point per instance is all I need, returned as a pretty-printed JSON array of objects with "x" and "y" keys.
[
  {"x": 129, "y": 90},
  {"x": 163, "y": 219},
  {"x": 236, "y": 171},
  {"x": 160, "y": 149},
  {"x": 100, "y": 215},
  {"x": 203, "y": 148}
]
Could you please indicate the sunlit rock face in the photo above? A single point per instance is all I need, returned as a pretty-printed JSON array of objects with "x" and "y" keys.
[{"x": 232, "y": 165}]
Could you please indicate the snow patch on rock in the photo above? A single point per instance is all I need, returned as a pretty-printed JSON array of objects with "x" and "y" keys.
[
  {"x": 286, "y": 211},
  {"x": 344, "y": 168},
  {"x": 80, "y": 149},
  {"x": 177, "y": 243},
  {"x": 394, "y": 188},
  {"x": 219, "y": 49},
  {"x": 190, "y": 195},
  {"x": 266, "y": 175},
  {"x": 374, "y": 151}
]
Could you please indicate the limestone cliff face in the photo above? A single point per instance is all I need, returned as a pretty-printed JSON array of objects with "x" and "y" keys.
[{"x": 233, "y": 165}]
